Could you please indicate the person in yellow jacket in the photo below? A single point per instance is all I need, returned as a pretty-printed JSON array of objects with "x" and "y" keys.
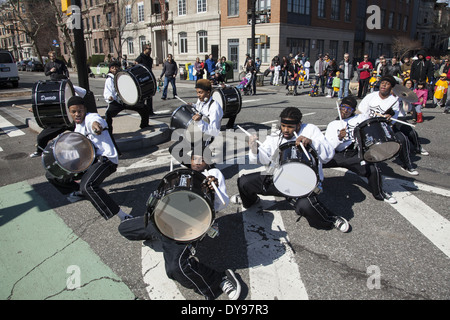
[{"x": 440, "y": 91}]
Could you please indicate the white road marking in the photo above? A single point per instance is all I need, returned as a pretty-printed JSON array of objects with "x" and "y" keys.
[
  {"x": 273, "y": 271},
  {"x": 10, "y": 129}
]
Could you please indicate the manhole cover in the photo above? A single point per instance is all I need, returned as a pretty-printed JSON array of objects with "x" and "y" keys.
[{"x": 15, "y": 156}]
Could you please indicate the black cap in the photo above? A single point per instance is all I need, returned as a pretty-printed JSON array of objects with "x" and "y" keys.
[
  {"x": 75, "y": 100},
  {"x": 389, "y": 79},
  {"x": 349, "y": 101}
]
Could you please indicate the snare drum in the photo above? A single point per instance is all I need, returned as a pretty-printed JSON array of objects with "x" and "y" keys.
[
  {"x": 70, "y": 154},
  {"x": 182, "y": 208},
  {"x": 230, "y": 100},
  {"x": 378, "y": 141},
  {"x": 296, "y": 175},
  {"x": 49, "y": 103},
  {"x": 135, "y": 84},
  {"x": 182, "y": 119}
]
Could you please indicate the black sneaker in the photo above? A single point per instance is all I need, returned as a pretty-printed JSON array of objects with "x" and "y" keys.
[
  {"x": 230, "y": 285},
  {"x": 75, "y": 196}
]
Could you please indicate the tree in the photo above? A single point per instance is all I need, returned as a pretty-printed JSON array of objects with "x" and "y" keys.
[{"x": 402, "y": 46}]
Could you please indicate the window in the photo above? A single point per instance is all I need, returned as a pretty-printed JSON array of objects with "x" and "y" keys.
[
  {"x": 346, "y": 47},
  {"x": 334, "y": 44},
  {"x": 261, "y": 50},
  {"x": 202, "y": 37},
  {"x": 100, "y": 45},
  {"x": 93, "y": 23},
  {"x": 391, "y": 20},
  {"x": 182, "y": 40},
  {"x": 335, "y": 9},
  {"x": 127, "y": 14},
  {"x": 201, "y": 6},
  {"x": 109, "y": 19},
  {"x": 111, "y": 45},
  {"x": 296, "y": 45},
  {"x": 348, "y": 11},
  {"x": 320, "y": 46},
  {"x": 233, "y": 7},
  {"x": 299, "y": 6},
  {"x": 405, "y": 23},
  {"x": 321, "y": 9},
  {"x": 98, "y": 21},
  {"x": 181, "y": 7},
  {"x": 140, "y": 7},
  {"x": 130, "y": 46},
  {"x": 95, "y": 45},
  {"x": 262, "y": 5},
  {"x": 399, "y": 21},
  {"x": 142, "y": 43}
]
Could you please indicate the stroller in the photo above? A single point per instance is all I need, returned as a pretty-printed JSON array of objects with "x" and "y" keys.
[{"x": 245, "y": 84}]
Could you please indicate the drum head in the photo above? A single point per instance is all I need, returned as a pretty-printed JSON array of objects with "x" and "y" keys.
[
  {"x": 68, "y": 93},
  {"x": 183, "y": 216},
  {"x": 127, "y": 88},
  {"x": 382, "y": 151},
  {"x": 295, "y": 179},
  {"x": 73, "y": 152}
]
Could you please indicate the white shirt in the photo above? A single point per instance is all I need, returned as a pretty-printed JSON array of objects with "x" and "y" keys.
[
  {"x": 218, "y": 205},
  {"x": 103, "y": 143},
  {"x": 373, "y": 103},
  {"x": 110, "y": 90},
  {"x": 269, "y": 147},
  {"x": 214, "y": 112},
  {"x": 335, "y": 126}
]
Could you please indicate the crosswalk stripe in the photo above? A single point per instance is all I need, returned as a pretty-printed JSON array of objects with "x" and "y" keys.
[{"x": 10, "y": 129}]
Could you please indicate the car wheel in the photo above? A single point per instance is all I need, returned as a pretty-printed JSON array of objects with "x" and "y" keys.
[{"x": 15, "y": 84}]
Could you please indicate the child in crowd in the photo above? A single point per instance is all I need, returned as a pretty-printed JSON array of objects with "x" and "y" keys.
[
  {"x": 276, "y": 74},
  {"x": 440, "y": 91},
  {"x": 422, "y": 94}
]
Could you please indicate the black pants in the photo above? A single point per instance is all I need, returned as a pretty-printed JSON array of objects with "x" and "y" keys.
[
  {"x": 90, "y": 186},
  {"x": 405, "y": 149},
  {"x": 349, "y": 159},
  {"x": 48, "y": 134},
  {"x": 316, "y": 214},
  {"x": 114, "y": 108},
  {"x": 410, "y": 134},
  {"x": 180, "y": 263},
  {"x": 363, "y": 87}
]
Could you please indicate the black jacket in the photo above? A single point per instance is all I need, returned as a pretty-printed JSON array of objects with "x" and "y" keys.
[
  {"x": 145, "y": 60},
  {"x": 421, "y": 69}
]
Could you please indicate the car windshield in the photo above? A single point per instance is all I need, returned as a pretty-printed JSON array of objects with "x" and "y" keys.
[{"x": 5, "y": 57}]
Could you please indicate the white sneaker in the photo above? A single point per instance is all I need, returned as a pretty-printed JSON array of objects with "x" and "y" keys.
[
  {"x": 424, "y": 152},
  {"x": 389, "y": 198},
  {"x": 35, "y": 154},
  {"x": 341, "y": 224},
  {"x": 236, "y": 199},
  {"x": 411, "y": 171},
  {"x": 230, "y": 285}
]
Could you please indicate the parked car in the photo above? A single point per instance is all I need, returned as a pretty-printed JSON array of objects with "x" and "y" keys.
[
  {"x": 35, "y": 66},
  {"x": 101, "y": 69},
  {"x": 22, "y": 65},
  {"x": 8, "y": 69}
]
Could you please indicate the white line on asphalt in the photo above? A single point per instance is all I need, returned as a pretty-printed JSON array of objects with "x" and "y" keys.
[
  {"x": 1, "y": 149},
  {"x": 273, "y": 272},
  {"x": 10, "y": 129},
  {"x": 252, "y": 100}
]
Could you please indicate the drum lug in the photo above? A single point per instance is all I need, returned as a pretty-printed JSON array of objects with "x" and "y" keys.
[{"x": 213, "y": 231}]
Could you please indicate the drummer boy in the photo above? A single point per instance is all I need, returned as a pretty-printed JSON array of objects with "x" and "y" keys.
[
  {"x": 180, "y": 261},
  {"x": 94, "y": 127},
  {"x": 254, "y": 184}
]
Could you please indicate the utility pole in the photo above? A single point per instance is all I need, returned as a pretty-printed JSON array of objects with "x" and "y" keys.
[
  {"x": 80, "y": 49},
  {"x": 253, "y": 29}
]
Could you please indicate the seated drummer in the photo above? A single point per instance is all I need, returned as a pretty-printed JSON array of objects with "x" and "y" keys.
[
  {"x": 252, "y": 184},
  {"x": 180, "y": 263},
  {"x": 95, "y": 129},
  {"x": 340, "y": 134}
]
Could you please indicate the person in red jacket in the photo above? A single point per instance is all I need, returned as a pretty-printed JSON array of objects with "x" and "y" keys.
[{"x": 364, "y": 68}]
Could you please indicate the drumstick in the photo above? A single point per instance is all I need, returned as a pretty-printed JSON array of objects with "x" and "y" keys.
[
  {"x": 303, "y": 147},
  {"x": 340, "y": 116},
  {"x": 215, "y": 187},
  {"x": 248, "y": 133},
  {"x": 403, "y": 122},
  {"x": 181, "y": 100}
]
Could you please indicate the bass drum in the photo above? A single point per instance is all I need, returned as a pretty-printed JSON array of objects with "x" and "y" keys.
[
  {"x": 296, "y": 175},
  {"x": 182, "y": 208},
  {"x": 69, "y": 155},
  {"x": 135, "y": 84},
  {"x": 378, "y": 141},
  {"x": 230, "y": 99},
  {"x": 49, "y": 103}
]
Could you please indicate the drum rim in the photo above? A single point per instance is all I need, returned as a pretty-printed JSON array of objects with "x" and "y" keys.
[
  {"x": 139, "y": 90},
  {"x": 83, "y": 138},
  {"x": 184, "y": 189},
  {"x": 240, "y": 100}
]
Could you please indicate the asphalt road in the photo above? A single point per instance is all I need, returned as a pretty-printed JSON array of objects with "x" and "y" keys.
[{"x": 392, "y": 252}]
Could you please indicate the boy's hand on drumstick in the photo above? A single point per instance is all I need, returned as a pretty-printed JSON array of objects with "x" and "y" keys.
[
  {"x": 211, "y": 180},
  {"x": 303, "y": 140},
  {"x": 253, "y": 144},
  {"x": 197, "y": 117},
  {"x": 342, "y": 134}
]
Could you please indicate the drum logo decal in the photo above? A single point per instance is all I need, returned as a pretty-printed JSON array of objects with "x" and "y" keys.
[
  {"x": 386, "y": 129},
  {"x": 48, "y": 98},
  {"x": 144, "y": 79},
  {"x": 369, "y": 140}
]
